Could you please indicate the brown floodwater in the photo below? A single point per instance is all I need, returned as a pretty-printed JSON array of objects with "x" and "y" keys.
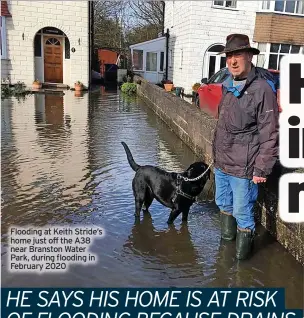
[{"x": 63, "y": 164}]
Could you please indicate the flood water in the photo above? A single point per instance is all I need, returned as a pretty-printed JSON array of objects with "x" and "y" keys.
[{"x": 63, "y": 163}]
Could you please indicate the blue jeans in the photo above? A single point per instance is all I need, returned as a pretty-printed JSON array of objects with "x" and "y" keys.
[{"x": 236, "y": 196}]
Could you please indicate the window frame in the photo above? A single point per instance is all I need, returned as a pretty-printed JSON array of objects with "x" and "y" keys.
[
  {"x": 3, "y": 39},
  {"x": 217, "y": 6},
  {"x": 272, "y": 7},
  {"x": 146, "y": 60}
]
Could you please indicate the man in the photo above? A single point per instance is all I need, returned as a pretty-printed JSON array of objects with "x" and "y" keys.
[{"x": 245, "y": 146}]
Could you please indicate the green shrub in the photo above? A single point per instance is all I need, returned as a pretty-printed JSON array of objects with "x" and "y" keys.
[{"x": 129, "y": 88}]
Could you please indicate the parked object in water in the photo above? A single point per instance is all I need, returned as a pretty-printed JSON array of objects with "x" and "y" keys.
[{"x": 171, "y": 189}]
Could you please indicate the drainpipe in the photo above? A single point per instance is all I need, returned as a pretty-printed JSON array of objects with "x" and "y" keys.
[
  {"x": 167, "y": 52},
  {"x": 89, "y": 35},
  {"x": 163, "y": 17},
  {"x": 91, "y": 40}
]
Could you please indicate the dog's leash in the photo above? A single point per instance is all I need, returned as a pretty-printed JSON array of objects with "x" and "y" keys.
[
  {"x": 180, "y": 192},
  {"x": 199, "y": 177}
]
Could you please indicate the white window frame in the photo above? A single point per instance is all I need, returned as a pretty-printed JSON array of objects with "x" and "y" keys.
[
  {"x": 3, "y": 39},
  {"x": 272, "y": 7},
  {"x": 157, "y": 61},
  {"x": 224, "y": 5},
  {"x": 267, "y": 53}
]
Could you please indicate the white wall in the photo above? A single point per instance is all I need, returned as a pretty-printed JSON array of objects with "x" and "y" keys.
[
  {"x": 194, "y": 26},
  {"x": 28, "y": 17}
]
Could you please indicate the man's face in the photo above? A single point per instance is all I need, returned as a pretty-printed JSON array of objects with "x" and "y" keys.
[{"x": 239, "y": 63}]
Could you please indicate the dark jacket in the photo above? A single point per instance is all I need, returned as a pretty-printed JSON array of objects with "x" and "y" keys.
[{"x": 246, "y": 137}]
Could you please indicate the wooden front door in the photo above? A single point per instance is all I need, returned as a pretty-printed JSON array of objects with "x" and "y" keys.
[{"x": 53, "y": 60}]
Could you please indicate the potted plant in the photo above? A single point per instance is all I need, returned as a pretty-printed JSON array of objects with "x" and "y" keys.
[
  {"x": 168, "y": 85},
  {"x": 78, "y": 86},
  {"x": 195, "y": 88},
  {"x": 37, "y": 84}
]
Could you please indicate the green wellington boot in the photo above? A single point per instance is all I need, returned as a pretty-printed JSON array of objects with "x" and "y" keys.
[
  {"x": 228, "y": 226},
  {"x": 244, "y": 243}
]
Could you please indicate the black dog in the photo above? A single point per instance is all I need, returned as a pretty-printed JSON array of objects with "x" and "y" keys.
[{"x": 170, "y": 189}]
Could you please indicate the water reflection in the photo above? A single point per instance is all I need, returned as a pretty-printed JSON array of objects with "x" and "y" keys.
[
  {"x": 62, "y": 163},
  {"x": 169, "y": 247}
]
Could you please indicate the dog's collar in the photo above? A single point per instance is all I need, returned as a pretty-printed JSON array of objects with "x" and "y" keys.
[{"x": 179, "y": 190}]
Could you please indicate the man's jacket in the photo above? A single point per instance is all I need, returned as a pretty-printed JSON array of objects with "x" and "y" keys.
[{"x": 246, "y": 137}]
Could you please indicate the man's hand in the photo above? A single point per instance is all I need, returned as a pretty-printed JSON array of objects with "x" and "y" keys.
[{"x": 258, "y": 179}]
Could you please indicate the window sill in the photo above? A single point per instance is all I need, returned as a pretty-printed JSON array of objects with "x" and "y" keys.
[
  {"x": 5, "y": 59},
  {"x": 281, "y": 13},
  {"x": 224, "y": 8}
]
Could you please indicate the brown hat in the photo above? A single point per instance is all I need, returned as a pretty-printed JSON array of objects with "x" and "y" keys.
[{"x": 238, "y": 42}]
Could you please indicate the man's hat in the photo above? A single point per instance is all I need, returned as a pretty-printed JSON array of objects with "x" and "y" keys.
[{"x": 238, "y": 42}]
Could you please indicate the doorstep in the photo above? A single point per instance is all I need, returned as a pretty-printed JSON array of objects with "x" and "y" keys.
[{"x": 54, "y": 86}]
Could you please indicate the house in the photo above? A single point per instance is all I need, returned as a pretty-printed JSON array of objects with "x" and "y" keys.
[
  {"x": 46, "y": 40},
  {"x": 198, "y": 31},
  {"x": 149, "y": 60}
]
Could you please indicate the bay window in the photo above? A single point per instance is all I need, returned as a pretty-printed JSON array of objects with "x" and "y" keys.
[
  {"x": 287, "y": 6},
  {"x": 271, "y": 54}
]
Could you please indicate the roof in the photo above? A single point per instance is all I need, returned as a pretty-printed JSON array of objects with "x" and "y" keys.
[
  {"x": 148, "y": 42},
  {"x": 4, "y": 9}
]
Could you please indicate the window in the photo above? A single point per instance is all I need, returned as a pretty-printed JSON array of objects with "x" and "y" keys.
[
  {"x": 162, "y": 56},
  {"x": 151, "y": 62},
  {"x": 52, "y": 41},
  {"x": 67, "y": 48},
  {"x": 138, "y": 60},
  {"x": 3, "y": 38},
  {"x": 271, "y": 54},
  {"x": 37, "y": 45},
  {"x": 287, "y": 6},
  {"x": 225, "y": 4},
  {"x": 219, "y": 77}
]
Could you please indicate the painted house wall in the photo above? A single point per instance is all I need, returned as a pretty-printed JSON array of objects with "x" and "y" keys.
[
  {"x": 194, "y": 26},
  {"x": 29, "y": 17}
]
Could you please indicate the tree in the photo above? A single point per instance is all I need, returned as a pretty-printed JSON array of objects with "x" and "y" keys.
[
  {"x": 148, "y": 13},
  {"x": 108, "y": 17}
]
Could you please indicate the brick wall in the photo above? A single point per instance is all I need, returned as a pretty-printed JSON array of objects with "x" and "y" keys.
[
  {"x": 194, "y": 26},
  {"x": 196, "y": 129},
  {"x": 28, "y": 17},
  {"x": 279, "y": 28}
]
